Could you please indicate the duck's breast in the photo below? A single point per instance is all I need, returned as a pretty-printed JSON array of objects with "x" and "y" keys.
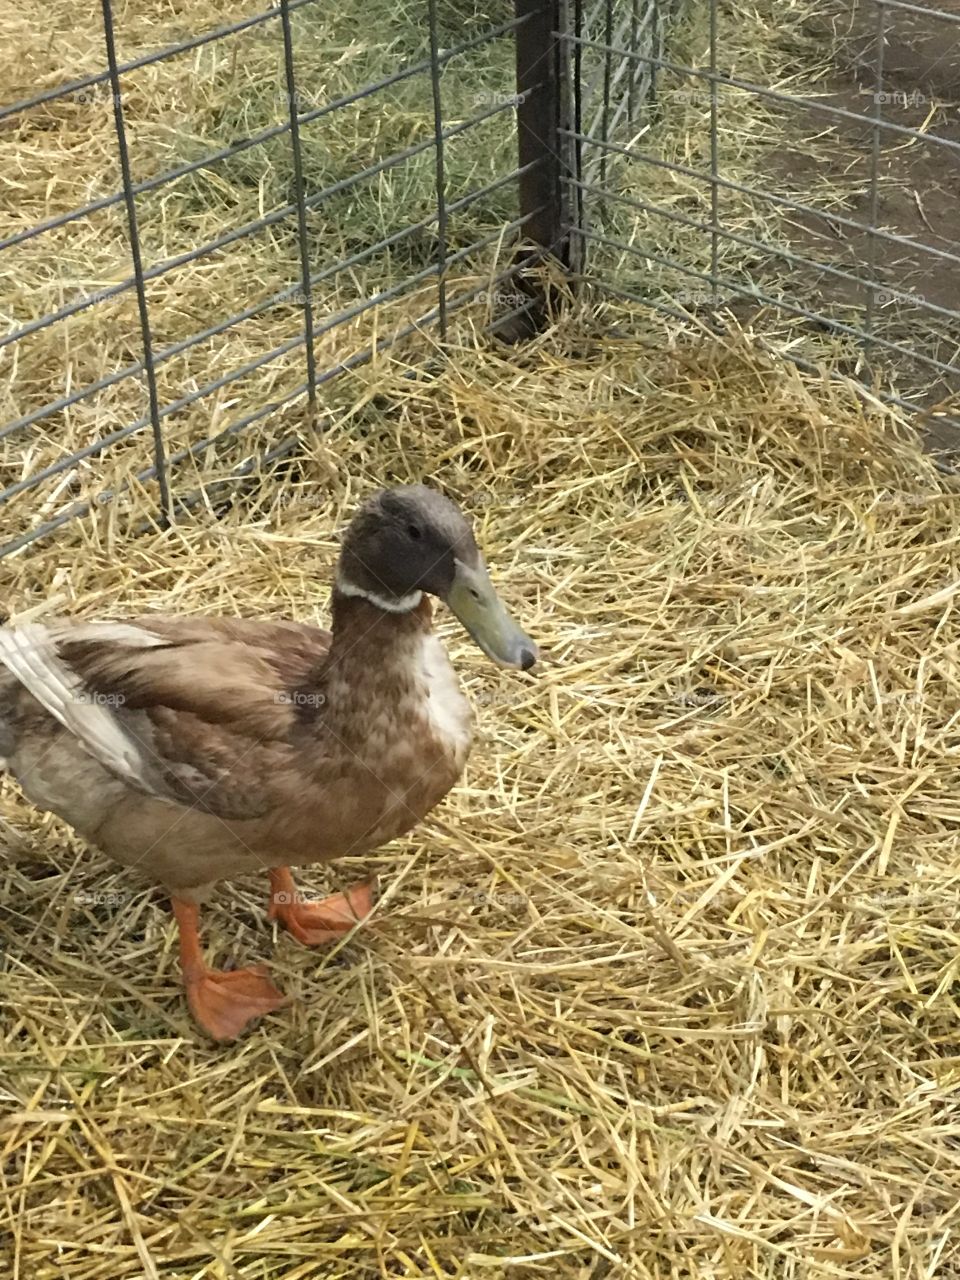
[{"x": 446, "y": 708}]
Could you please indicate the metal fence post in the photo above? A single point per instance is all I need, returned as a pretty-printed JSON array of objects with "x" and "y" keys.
[
  {"x": 130, "y": 200},
  {"x": 303, "y": 231},
  {"x": 541, "y": 146}
]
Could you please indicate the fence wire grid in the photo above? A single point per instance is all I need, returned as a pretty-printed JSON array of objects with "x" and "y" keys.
[
  {"x": 382, "y": 207},
  {"x": 820, "y": 206},
  {"x": 208, "y": 234}
]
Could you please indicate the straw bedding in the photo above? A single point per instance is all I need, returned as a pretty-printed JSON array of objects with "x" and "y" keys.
[{"x": 666, "y": 988}]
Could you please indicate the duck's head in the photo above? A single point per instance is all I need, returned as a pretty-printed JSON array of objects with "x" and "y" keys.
[{"x": 412, "y": 539}]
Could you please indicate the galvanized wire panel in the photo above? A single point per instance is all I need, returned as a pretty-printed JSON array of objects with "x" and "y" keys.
[
  {"x": 800, "y": 177},
  {"x": 209, "y": 233},
  {"x": 276, "y": 201},
  {"x": 614, "y": 89}
]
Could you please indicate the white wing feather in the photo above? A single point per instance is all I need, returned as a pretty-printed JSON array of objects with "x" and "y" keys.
[{"x": 30, "y": 654}]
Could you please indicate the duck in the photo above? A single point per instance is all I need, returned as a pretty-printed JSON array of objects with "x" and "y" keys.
[{"x": 192, "y": 750}]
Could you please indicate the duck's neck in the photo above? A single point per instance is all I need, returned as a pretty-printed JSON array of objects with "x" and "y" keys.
[
  {"x": 361, "y": 623},
  {"x": 375, "y": 657}
]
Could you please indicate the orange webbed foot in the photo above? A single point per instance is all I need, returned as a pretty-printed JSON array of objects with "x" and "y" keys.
[
  {"x": 224, "y": 1002},
  {"x": 317, "y": 923}
]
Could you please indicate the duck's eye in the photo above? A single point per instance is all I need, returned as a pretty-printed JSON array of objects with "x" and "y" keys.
[{"x": 413, "y": 530}]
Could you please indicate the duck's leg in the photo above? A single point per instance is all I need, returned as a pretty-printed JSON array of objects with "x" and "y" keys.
[
  {"x": 222, "y": 1001},
  {"x": 314, "y": 923}
]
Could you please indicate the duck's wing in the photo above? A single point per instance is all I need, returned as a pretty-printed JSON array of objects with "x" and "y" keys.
[{"x": 202, "y": 712}]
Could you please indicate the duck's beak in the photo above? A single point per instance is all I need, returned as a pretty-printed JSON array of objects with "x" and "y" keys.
[{"x": 474, "y": 601}]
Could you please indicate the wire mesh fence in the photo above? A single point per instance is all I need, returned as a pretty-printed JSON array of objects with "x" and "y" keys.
[
  {"x": 206, "y": 235},
  {"x": 266, "y": 205},
  {"x": 819, "y": 206}
]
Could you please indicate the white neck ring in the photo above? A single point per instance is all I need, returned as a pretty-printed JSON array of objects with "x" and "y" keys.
[{"x": 401, "y": 604}]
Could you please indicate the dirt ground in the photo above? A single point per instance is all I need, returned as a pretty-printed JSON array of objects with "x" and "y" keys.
[{"x": 918, "y": 192}]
